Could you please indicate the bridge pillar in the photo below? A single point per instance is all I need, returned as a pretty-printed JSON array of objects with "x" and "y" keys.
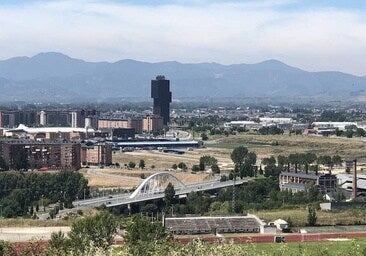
[{"x": 129, "y": 209}]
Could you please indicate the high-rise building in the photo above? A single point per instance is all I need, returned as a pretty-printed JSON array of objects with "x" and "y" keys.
[{"x": 160, "y": 92}]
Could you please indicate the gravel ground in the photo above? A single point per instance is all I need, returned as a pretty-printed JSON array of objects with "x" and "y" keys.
[{"x": 29, "y": 233}]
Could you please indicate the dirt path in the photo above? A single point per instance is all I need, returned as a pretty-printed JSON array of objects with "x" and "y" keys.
[{"x": 29, "y": 233}]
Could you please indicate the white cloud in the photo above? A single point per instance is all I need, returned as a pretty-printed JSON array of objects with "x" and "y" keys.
[{"x": 313, "y": 39}]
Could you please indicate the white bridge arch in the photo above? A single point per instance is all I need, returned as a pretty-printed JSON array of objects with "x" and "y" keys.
[{"x": 157, "y": 183}]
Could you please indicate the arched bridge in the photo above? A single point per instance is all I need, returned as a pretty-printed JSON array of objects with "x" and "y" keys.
[
  {"x": 157, "y": 183},
  {"x": 153, "y": 188}
]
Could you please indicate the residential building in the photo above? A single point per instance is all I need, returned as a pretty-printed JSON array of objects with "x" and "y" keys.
[
  {"x": 57, "y": 155},
  {"x": 152, "y": 124},
  {"x": 96, "y": 154}
]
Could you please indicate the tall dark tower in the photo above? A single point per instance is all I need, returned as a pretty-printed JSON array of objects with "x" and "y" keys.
[{"x": 160, "y": 92}]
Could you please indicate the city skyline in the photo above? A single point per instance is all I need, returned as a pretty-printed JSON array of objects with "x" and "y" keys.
[{"x": 312, "y": 35}]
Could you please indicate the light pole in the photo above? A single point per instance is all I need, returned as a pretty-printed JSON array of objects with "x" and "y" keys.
[{"x": 44, "y": 208}]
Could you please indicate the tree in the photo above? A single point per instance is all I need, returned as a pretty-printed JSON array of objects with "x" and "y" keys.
[
  {"x": 142, "y": 164},
  {"x": 337, "y": 160},
  {"x": 98, "y": 230},
  {"x": 182, "y": 166},
  {"x": 204, "y": 136},
  {"x": 223, "y": 178},
  {"x": 169, "y": 194},
  {"x": 215, "y": 168},
  {"x": 86, "y": 236},
  {"x": 195, "y": 168},
  {"x": 271, "y": 161},
  {"x": 309, "y": 158},
  {"x": 131, "y": 165},
  {"x": 311, "y": 216},
  {"x": 238, "y": 156},
  {"x": 325, "y": 160},
  {"x": 174, "y": 166},
  {"x": 208, "y": 160},
  {"x": 201, "y": 166},
  {"x": 144, "y": 237},
  {"x": 59, "y": 244}
]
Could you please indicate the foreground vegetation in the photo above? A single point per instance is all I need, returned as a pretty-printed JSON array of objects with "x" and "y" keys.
[
  {"x": 93, "y": 235},
  {"x": 354, "y": 248},
  {"x": 25, "y": 193}
]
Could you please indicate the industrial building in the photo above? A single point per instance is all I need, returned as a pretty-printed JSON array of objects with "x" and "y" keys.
[
  {"x": 213, "y": 225},
  {"x": 49, "y": 133},
  {"x": 300, "y": 181},
  {"x": 160, "y": 92}
]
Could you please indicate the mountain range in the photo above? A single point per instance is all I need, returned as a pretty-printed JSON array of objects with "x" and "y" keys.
[{"x": 55, "y": 77}]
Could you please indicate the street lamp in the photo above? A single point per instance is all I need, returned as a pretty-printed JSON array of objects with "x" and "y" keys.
[{"x": 44, "y": 208}]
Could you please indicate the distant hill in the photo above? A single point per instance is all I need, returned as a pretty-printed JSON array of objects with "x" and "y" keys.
[{"x": 57, "y": 77}]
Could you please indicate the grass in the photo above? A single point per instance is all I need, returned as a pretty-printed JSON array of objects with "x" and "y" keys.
[
  {"x": 299, "y": 216},
  {"x": 287, "y": 144},
  {"x": 22, "y": 222},
  {"x": 351, "y": 247},
  {"x": 355, "y": 247}
]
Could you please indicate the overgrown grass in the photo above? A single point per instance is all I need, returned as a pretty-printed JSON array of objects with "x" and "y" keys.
[
  {"x": 287, "y": 144},
  {"x": 22, "y": 222},
  {"x": 299, "y": 216}
]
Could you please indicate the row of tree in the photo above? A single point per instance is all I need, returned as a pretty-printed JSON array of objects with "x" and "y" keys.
[
  {"x": 20, "y": 192},
  {"x": 302, "y": 160}
]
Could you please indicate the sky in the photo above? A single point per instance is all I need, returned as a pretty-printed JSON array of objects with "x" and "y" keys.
[{"x": 314, "y": 35}]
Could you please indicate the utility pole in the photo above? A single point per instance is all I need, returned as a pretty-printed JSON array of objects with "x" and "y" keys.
[
  {"x": 354, "y": 180},
  {"x": 233, "y": 206}
]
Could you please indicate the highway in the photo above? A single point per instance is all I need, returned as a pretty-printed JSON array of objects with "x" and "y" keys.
[{"x": 124, "y": 199}]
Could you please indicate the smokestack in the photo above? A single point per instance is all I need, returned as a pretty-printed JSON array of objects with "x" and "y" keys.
[
  {"x": 354, "y": 181},
  {"x": 316, "y": 169}
]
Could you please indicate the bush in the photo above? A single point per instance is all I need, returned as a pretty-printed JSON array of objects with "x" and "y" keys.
[{"x": 131, "y": 165}]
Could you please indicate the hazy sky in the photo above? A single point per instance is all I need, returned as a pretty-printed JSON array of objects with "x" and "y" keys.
[{"x": 313, "y": 35}]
